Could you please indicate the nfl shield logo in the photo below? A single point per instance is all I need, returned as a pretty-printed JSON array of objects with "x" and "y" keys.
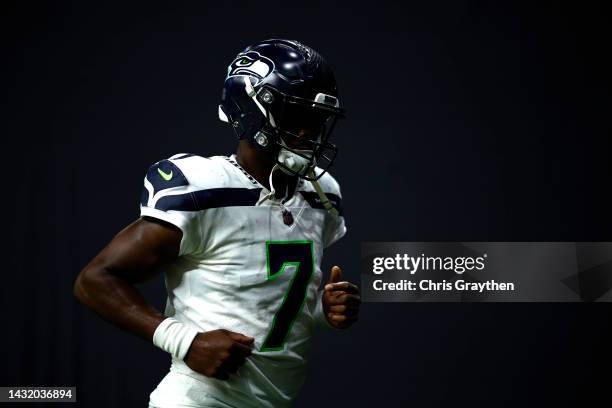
[{"x": 287, "y": 217}]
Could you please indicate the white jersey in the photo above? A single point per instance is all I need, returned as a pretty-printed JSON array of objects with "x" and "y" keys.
[{"x": 249, "y": 267}]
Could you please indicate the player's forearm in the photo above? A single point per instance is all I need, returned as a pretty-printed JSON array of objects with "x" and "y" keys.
[{"x": 117, "y": 301}]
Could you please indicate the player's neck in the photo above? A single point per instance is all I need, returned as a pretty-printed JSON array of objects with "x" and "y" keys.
[
  {"x": 259, "y": 166},
  {"x": 254, "y": 163}
]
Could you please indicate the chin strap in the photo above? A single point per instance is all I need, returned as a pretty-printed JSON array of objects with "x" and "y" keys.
[
  {"x": 272, "y": 189},
  {"x": 324, "y": 200}
]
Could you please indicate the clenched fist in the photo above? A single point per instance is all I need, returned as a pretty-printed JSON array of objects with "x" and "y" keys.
[{"x": 218, "y": 353}]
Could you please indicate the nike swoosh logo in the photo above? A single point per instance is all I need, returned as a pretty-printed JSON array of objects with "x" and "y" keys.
[{"x": 165, "y": 176}]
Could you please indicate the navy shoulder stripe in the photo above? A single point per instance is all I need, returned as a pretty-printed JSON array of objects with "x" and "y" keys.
[
  {"x": 164, "y": 174},
  {"x": 183, "y": 156},
  {"x": 210, "y": 198},
  {"x": 144, "y": 196},
  {"x": 315, "y": 201}
]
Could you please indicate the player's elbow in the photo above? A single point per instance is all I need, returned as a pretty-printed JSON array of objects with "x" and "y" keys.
[
  {"x": 80, "y": 287},
  {"x": 86, "y": 283}
]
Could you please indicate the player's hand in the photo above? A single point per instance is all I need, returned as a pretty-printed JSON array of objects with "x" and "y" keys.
[
  {"x": 340, "y": 300},
  {"x": 218, "y": 353}
]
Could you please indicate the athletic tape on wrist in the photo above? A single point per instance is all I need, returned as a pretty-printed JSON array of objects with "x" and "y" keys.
[{"x": 174, "y": 337}]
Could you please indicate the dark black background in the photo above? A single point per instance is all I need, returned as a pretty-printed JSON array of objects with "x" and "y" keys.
[{"x": 468, "y": 121}]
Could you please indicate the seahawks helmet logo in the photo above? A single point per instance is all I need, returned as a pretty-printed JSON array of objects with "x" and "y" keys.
[{"x": 251, "y": 63}]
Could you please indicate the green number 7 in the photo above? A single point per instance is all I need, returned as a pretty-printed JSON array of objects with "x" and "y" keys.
[{"x": 281, "y": 254}]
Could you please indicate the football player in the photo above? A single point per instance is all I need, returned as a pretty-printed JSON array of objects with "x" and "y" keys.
[{"x": 240, "y": 241}]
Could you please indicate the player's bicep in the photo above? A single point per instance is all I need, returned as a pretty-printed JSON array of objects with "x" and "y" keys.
[{"x": 139, "y": 250}]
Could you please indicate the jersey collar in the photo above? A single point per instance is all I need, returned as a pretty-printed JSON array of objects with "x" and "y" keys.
[{"x": 233, "y": 160}]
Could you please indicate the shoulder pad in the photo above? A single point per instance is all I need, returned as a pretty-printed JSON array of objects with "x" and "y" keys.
[
  {"x": 165, "y": 174},
  {"x": 189, "y": 182},
  {"x": 330, "y": 187},
  {"x": 329, "y": 184}
]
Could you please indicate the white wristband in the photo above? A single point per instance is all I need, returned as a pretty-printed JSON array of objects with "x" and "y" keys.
[{"x": 174, "y": 337}]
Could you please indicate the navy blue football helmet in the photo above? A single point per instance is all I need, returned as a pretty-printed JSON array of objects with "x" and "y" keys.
[{"x": 281, "y": 95}]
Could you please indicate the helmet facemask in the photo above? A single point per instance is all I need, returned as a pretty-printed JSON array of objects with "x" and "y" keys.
[{"x": 299, "y": 130}]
